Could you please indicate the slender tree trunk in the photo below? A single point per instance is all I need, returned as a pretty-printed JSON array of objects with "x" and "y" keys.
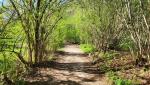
[{"x": 37, "y": 33}]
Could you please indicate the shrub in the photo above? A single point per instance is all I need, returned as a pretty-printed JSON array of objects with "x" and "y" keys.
[
  {"x": 122, "y": 82},
  {"x": 11, "y": 68},
  {"x": 87, "y": 48},
  {"x": 125, "y": 44},
  {"x": 110, "y": 55},
  {"x": 117, "y": 80}
]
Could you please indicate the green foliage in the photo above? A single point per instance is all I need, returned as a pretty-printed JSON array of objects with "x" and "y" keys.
[
  {"x": 87, "y": 48},
  {"x": 100, "y": 23},
  {"x": 10, "y": 67},
  {"x": 19, "y": 82},
  {"x": 71, "y": 34},
  {"x": 117, "y": 80},
  {"x": 70, "y": 25},
  {"x": 126, "y": 43},
  {"x": 123, "y": 82},
  {"x": 56, "y": 40},
  {"x": 104, "y": 68},
  {"x": 109, "y": 55}
]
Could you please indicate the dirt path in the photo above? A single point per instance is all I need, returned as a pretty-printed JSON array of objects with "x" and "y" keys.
[{"x": 72, "y": 68}]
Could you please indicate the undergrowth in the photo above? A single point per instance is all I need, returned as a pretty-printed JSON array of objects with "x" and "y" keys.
[
  {"x": 118, "y": 80},
  {"x": 11, "y": 68},
  {"x": 87, "y": 48}
]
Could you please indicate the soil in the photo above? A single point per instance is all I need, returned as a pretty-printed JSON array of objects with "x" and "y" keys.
[{"x": 72, "y": 67}]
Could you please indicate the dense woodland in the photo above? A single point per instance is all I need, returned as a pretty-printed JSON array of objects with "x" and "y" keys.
[{"x": 114, "y": 33}]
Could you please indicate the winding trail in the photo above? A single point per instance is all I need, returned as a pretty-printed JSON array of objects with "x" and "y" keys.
[{"x": 72, "y": 67}]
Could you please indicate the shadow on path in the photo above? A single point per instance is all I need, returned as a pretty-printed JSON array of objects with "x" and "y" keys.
[
  {"x": 46, "y": 79},
  {"x": 72, "y": 67},
  {"x": 85, "y": 67}
]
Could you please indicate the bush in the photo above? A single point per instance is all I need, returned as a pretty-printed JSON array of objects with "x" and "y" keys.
[
  {"x": 125, "y": 44},
  {"x": 110, "y": 55},
  {"x": 122, "y": 82},
  {"x": 11, "y": 68},
  {"x": 87, "y": 48},
  {"x": 119, "y": 81}
]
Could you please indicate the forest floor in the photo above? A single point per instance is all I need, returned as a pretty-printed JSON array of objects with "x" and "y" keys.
[{"x": 72, "y": 67}]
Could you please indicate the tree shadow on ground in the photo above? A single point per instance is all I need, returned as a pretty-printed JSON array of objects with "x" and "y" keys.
[
  {"x": 85, "y": 67},
  {"x": 63, "y": 54},
  {"x": 69, "y": 82},
  {"x": 48, "y": 80},
  {"x": 52, "y": 83}
]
